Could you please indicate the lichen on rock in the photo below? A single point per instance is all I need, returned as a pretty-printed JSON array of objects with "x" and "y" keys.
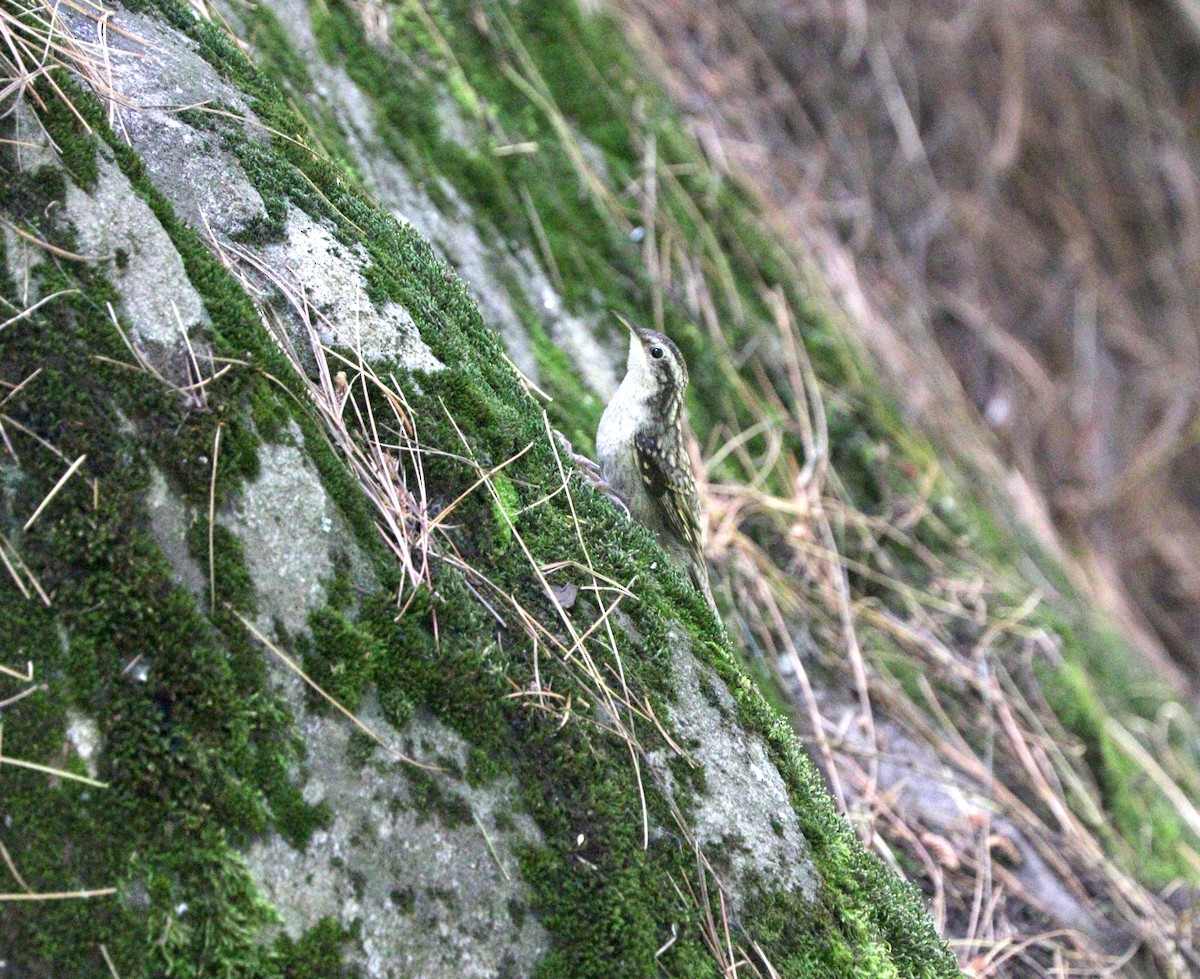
[
  {"x": 419, "y": 864},
  {"x": 743, "y": 816}
]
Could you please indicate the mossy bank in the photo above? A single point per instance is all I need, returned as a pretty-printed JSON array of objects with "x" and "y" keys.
[{"x": 236, "y": 823}]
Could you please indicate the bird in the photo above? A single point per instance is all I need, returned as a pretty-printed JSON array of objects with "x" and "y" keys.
[{"x": 640, "y": 445}]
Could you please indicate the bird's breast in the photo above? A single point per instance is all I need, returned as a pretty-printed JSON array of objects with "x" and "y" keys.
[{"x": 615, "y": 446}]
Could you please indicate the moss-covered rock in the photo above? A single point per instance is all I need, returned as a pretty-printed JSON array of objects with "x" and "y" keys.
[{"x": 304, "y": 612}]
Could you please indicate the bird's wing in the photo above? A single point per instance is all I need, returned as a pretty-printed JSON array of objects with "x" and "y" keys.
[{"x": 670, "y": 482}]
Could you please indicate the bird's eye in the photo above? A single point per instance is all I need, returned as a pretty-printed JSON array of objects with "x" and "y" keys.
[{"x": 656, "y": 353}]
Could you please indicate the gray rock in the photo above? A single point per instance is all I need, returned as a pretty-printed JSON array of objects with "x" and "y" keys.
[
  {"x": 321, "y": 279},
  {"x": 116, "y": 230},
  {"x": 434, "y": 895},
  {"x": 170, "y": 519},
  {"x": 290, "y": 530},
  {"x": 157, "y": 73},
  {"x": 745, "y": 811}
]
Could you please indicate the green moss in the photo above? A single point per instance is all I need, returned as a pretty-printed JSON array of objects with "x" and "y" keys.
[
  {"x": 1147, "y": 832},
  {"x": 505, "y": 506},
  {"x": 228, "y": 570},
  {"x": 293, "y": 818},
  {"x": 339, "y": 658},
  {"x": 188, "y": 733},
  {"x": 360, "y": 748},
  {"x": 178, "y": 747},
  {"x": 78, "y": 155},
  {"x": 318, "y": 953},
  {"x": 430, "y": 799},
  {"x": 403, "y": 900}
]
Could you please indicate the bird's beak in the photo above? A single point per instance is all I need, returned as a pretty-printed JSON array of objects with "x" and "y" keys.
[
  {"x": 637, "y": 355},
  {"x": 625, "y": 323}
]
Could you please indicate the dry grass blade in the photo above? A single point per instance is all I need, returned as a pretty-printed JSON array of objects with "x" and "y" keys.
[
  {"x": 12, "y": 571},
  {"x": 71, "y": 470},
  {"x": 47, "y": 247},
  {"x": 60, "y": 895},
  {"x": 55, "y": 772},
  {"x": 12, "y": 869},
  {"x": 18, "y": 697},
  {"x": 36, "y": 41},
  {"x": 112, "y": 969},
  {"x": 38, "y": 305},
  {"x": 212, "y": 519},
  {"x": 26, "y": 677}
]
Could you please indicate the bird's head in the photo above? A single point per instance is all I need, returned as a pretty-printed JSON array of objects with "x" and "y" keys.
[{"x": 655, "y": 365}]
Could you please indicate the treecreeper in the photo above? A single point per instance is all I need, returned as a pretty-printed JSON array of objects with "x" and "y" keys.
[{"x": 640, "y": 445}]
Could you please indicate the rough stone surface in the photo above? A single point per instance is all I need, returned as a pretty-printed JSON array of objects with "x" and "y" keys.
[
  {"x": 286, "y": 522},
  {"x": 20, "y": 257},
  {"x": 745, "y": 811},
  {"x": 434, "y": 895},
  {"x": 31, "y": 147},
  {"x": 170, "y": 519},
  {"x": 156, "y": 72},
  {"x": 452, "y": 230},
  {"x": 311, "y": 262},
  {"x": 158, "y": 300},
  {"x": 116, "y": 231}
]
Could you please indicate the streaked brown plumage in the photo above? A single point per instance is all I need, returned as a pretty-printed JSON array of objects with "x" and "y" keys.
[{"x": 642, "y": 454}]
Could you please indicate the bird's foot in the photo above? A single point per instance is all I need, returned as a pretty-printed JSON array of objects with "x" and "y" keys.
[{"x": 589, "y": 472}]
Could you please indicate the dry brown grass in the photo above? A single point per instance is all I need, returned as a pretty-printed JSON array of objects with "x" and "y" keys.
[
  {"x": 903, "y": 149},
  {"x": 1008, "y": 198},
  {"x": 36, "y": 42}
]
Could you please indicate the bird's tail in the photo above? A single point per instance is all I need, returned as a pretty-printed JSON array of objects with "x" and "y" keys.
[{"x": 698, "y": 572}]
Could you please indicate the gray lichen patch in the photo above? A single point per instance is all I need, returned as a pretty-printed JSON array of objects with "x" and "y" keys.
[
  {"x": 454, "y": 125},
  {"x": 84, "y": 735},
  {"x": 432, "y": 892},
  {"x": 31, "y": 150},
  {"x": 170, "y": 519},
  {"x": 745, "y": 811},
  {"x": 116, "y": 230},
  {"x": 156, "y": 72},
  {"x": 311, "y": 263},
  {"x": 291, "y": 533}
]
